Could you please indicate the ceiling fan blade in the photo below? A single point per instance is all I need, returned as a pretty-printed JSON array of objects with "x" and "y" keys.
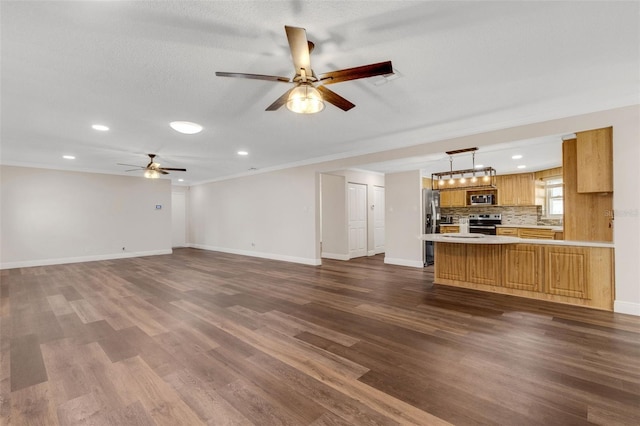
[
  {"x": 253, "y": 76},
  {"x": 335, "y": 99},
  {"x": 299, "y": 46},
  {"x": 162, "y": 171},
  {"x": 130, "y": 165},
  {"x": 381, "y": 68},
  {"x": 134, "y": 170},
  {"x": 170, "y": 168},
  {"x": 280, "y": 101}
]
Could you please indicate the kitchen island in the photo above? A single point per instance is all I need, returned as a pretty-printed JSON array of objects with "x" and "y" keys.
[{"x": 570, "y": 272}]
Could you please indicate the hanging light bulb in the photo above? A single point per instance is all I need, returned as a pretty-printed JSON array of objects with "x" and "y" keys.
[
  {"x": 452, "y": 181},
  {"x": 462, "y": 179},
  {"x": 441, "y": 182}
]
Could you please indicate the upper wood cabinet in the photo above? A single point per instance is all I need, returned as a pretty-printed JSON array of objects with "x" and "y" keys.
[
  {"x": 594, "y": 156},
  {"x": 516, "y": 190},
  {"x": 455, "y": 198},
  {"x": 587, "y": 216}
]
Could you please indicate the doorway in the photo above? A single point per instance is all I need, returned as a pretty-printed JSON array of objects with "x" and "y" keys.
[{"x": 357, "y": 222}]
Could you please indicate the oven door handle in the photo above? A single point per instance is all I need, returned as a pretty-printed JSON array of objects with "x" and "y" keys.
[{"x": 481, "y": 227}]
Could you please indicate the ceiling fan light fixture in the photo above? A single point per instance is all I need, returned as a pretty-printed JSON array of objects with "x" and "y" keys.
[
  {"x": 186, "y": 127},
  {"x": 151, "y": 174},
  {"x": 305, "y": 99}
]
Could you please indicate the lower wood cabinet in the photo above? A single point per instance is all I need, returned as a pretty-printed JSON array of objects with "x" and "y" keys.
[
  {"x": 567, "y": 272},
  {"x": 448, "y": 229},
  {"x": 483, "y": 265},
  {"x": 536, "y": 233},
  {"x": 522, "y": 267},
  {"x": 528, "y": 233},
  {"x": 573, "y": 275}
]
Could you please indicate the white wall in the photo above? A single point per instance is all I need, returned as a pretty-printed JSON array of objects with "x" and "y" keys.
[
  {"x": 335, "y": 241},
  {"x": 51, "y": 216},
  {"x": 266, "y": 215},
  {"x": 403, "y": 227}
]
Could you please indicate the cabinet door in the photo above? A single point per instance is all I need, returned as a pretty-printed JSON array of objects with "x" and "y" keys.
[
  {"x": 451, "y": 261},
  {"x": 484, "y": 262},
  {"x": 594, "y": 152},
  {"x": 526, "y": 189},
  {"x": 522, "y": 267},
  {"x": 455, "y": 198},
  {"x": 567, "y": 271},
  {"x": 516, "y": 190}
]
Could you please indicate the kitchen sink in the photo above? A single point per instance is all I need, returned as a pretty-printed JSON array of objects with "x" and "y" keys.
[{"x": 454, "y": 235}]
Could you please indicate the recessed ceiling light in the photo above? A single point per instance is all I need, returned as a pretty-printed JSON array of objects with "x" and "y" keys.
[
  {"x": 186, "y": 127},
  {"x": 517, "y": 157},
  {"x": 243, "y": 153},
  {"x": 68, "y": 157},
  {"x": 522, "y": 166},
  {"x": 479, "y": 166},
  {"x": 100, "y": 127},
  {"x": 180, "y": 180}
]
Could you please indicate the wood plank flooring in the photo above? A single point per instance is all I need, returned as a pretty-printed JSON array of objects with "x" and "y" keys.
[{"x": 200, "y": 337}]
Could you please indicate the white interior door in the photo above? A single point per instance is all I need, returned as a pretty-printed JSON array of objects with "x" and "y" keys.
[
  {"x": 178, "y": 219},
  {"x": 357, "y": 199},
  {"x": 378, "y": 219}
]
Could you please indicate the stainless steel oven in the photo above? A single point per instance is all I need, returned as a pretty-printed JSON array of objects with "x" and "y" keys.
[{"x": 484, "y": 223}]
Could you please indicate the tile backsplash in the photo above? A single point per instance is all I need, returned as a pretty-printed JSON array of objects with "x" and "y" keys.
[{"x": 511, "y": 215}]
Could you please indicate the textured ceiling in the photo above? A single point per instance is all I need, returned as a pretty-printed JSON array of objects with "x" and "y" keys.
[{"x": 135, "y": 66}]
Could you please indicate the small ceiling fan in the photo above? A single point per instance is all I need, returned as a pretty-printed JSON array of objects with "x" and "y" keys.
[
  {"x": 153, "y": 169},
  {"x": 310, "y": 91}
]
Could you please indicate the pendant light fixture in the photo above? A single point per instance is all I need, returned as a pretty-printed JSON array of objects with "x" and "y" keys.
[{"x": 487, "y": 181}]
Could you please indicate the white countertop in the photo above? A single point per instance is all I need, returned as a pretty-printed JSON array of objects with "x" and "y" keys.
[
  {"x": 553, "y": 228},
  {"x": 499, "y": 239}
]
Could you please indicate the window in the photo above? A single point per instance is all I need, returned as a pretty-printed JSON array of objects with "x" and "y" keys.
[{"x": 554, "y": 203}]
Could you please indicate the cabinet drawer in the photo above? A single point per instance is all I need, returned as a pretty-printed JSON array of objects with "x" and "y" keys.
[
  {"x": 511, "y": 232},
  {"x": 541, "y": 234},
  {"x": 448, "y": 229}
]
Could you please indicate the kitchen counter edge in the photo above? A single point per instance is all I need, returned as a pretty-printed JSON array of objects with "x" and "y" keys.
[{"x": 493, "y": 239}]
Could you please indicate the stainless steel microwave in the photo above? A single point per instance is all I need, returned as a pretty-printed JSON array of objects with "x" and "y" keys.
[{"x": 482, "y": 199}]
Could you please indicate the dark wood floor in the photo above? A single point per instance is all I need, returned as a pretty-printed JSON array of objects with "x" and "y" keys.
[{"x": 200, "y": 337}]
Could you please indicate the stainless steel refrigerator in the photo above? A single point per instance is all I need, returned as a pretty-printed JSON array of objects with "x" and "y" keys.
[{"x": 431, "y": 209}]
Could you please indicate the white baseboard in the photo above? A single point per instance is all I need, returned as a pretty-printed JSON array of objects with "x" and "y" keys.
[
  {"x": 335, "y": 256},
  {"x": 626, "y": 307},
  {"x": 404, "y": 262},
  {"x": 80, "y": 259},
  {"x": 272, "y": 256},
  {"x": 371, "y": 253}
]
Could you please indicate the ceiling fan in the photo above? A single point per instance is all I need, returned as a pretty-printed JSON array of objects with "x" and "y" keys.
[
  {"x": 310, "y": 91},
  {"x": 153, "y": 169}
]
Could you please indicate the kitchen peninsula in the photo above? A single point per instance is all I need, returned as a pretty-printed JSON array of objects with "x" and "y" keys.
[{"x": 570, "y": 272}]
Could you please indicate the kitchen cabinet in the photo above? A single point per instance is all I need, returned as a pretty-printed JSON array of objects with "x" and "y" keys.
[
  {"x": 528, "y": 233},
  {"x": 568, "y": 271},
  {"x": 508, "y": 232},
  {"x": 448, "y": 229},
  {"x": 594, "y": 157},
  {"x": 522, "y": 267},
  {"x": 453, "y": 198},
  {"x": 516, "y": 190},
  {"x": 536, "y": 233},
  {"x": 575, "y": 275},
  {"x": 587, "y": 216}
]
